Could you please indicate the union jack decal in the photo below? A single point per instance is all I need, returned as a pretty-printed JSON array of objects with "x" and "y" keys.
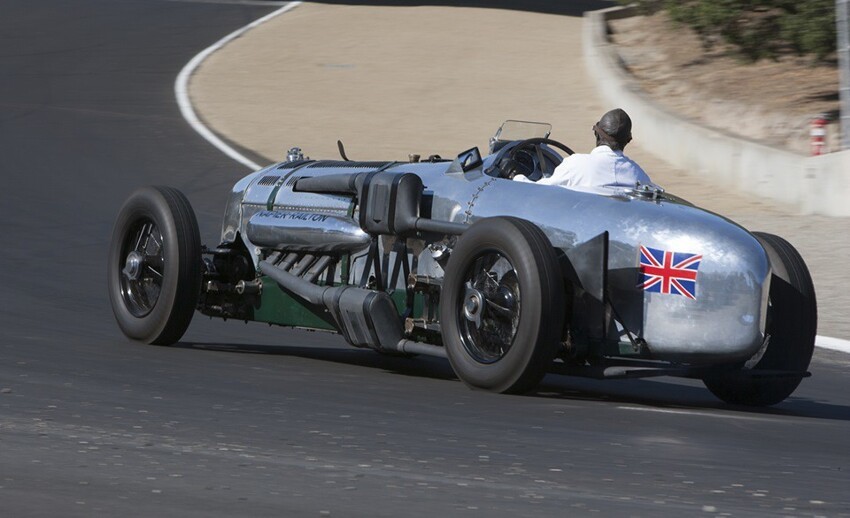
[{"x": 673, "y": 273}]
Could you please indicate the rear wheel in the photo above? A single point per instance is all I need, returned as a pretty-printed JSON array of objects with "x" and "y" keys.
[
  {"x": 154, "y": 270},
  {"x": 791, "y": 329},
  {"x": 502, "y": 305}
]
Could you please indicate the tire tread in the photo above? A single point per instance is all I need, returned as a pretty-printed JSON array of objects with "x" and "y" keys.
[{"x": 173, "y": 312}]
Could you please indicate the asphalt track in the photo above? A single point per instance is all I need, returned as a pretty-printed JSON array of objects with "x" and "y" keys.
[{"x": 243, "y": 420}]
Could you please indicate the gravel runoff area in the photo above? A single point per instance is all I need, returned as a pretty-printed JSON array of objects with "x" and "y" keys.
[{"x": 390, "y": 81}]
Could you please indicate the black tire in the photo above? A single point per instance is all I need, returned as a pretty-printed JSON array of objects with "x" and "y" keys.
[
  {"x": 524, "y": 312},
  {"x": 791, "y": 326},
  {"x": 154, "y": 265}
]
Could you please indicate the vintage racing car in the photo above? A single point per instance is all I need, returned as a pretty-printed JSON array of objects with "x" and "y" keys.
[{"x": 509, "y": 280}]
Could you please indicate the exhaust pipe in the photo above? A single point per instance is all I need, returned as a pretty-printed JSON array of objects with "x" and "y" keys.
[{"x": 365, "y": 318}]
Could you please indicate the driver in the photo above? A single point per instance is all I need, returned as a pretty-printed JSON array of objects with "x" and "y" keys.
[{"x": 605, "y": 165}]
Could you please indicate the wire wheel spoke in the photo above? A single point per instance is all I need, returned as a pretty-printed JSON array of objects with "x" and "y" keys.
[
  {"x": 155, "y": 263},
  {"x": 143, "y": 272},
  {"x": 491, "y": 307}
]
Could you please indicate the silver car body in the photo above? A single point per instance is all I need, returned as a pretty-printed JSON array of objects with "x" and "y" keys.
[{"x": 725, "y": 321}]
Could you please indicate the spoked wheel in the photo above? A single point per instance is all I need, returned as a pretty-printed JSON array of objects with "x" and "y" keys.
[
  {"x": 155, "y": 265},
  {"x": 141, "y": 278},
  {"x": 491, "y": 307},
  {"x": 502, "y": 305},
  {"x": 791, "y": 329}
]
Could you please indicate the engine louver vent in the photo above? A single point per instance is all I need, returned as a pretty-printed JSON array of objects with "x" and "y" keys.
[
  {"x": 294, "y": 164},
  {"x": 293, "y": 179},
  {"x": 343, "y": 163},
  {"x": 268, "y": 180}
]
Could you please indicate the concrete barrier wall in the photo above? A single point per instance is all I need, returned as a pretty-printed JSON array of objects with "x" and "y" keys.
[{"x": 818, "y": 185}]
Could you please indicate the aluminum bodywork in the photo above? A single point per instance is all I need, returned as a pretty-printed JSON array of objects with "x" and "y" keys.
[
  {"x": 305, "y": 231},
  {"x": 725, "y": 322}
]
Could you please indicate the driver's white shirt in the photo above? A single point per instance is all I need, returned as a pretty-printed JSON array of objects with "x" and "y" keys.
[{"x": 602, "y": 167}]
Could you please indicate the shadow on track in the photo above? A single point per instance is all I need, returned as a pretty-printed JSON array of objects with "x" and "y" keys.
[
  {"x": 660, "y": 394},
  {"x": 571, "y": 8},
  {"x": 420, "y": 367},
  {"x": 650, "y": 393}
]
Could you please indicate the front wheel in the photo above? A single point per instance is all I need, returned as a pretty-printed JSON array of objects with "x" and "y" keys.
[
  {"x": 791, "y": 329},
  {"x": 154, "y": 269},
  {"x": 502, "y": 305}
]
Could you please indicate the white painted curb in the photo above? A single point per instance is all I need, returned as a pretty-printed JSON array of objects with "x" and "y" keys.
[
  {"x": 836, "y": 344},
  {"x": 181, "y": 88},
  {"x": 819, "y": 185}
]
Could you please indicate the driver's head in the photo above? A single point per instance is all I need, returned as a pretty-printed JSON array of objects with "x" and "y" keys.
[{"x": 614, "y": 130}]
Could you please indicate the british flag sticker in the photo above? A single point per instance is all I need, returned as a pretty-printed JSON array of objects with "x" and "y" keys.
[{"x": 672, "y": 273}]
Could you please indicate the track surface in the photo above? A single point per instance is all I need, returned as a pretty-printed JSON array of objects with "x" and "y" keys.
[{"x": 244, "y": 420}]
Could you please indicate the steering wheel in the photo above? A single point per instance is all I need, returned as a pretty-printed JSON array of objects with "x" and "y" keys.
[{"x": 536, "y": 142}]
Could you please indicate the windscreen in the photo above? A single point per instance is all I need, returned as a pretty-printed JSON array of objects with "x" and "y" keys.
[{"x": 521, "y": 130}]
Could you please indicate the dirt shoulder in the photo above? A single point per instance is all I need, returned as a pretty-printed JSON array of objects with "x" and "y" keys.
[{"x": 390, "y": 81}]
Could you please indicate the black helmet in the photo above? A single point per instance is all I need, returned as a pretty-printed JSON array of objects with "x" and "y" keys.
[{"x": 614, "y": 129}]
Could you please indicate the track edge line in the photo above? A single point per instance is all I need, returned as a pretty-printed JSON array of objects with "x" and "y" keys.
[
  {"x": 835, "y": 344},
  {"x": 181, "y": 88}
]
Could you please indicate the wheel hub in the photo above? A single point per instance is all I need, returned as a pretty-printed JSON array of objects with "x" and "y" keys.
[
  {"x": 133, "y": 266},
  {"x": 473, "y": 306}
]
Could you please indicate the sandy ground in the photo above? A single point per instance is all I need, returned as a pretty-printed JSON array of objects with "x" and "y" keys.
[{"x": 390, "y": 81}]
